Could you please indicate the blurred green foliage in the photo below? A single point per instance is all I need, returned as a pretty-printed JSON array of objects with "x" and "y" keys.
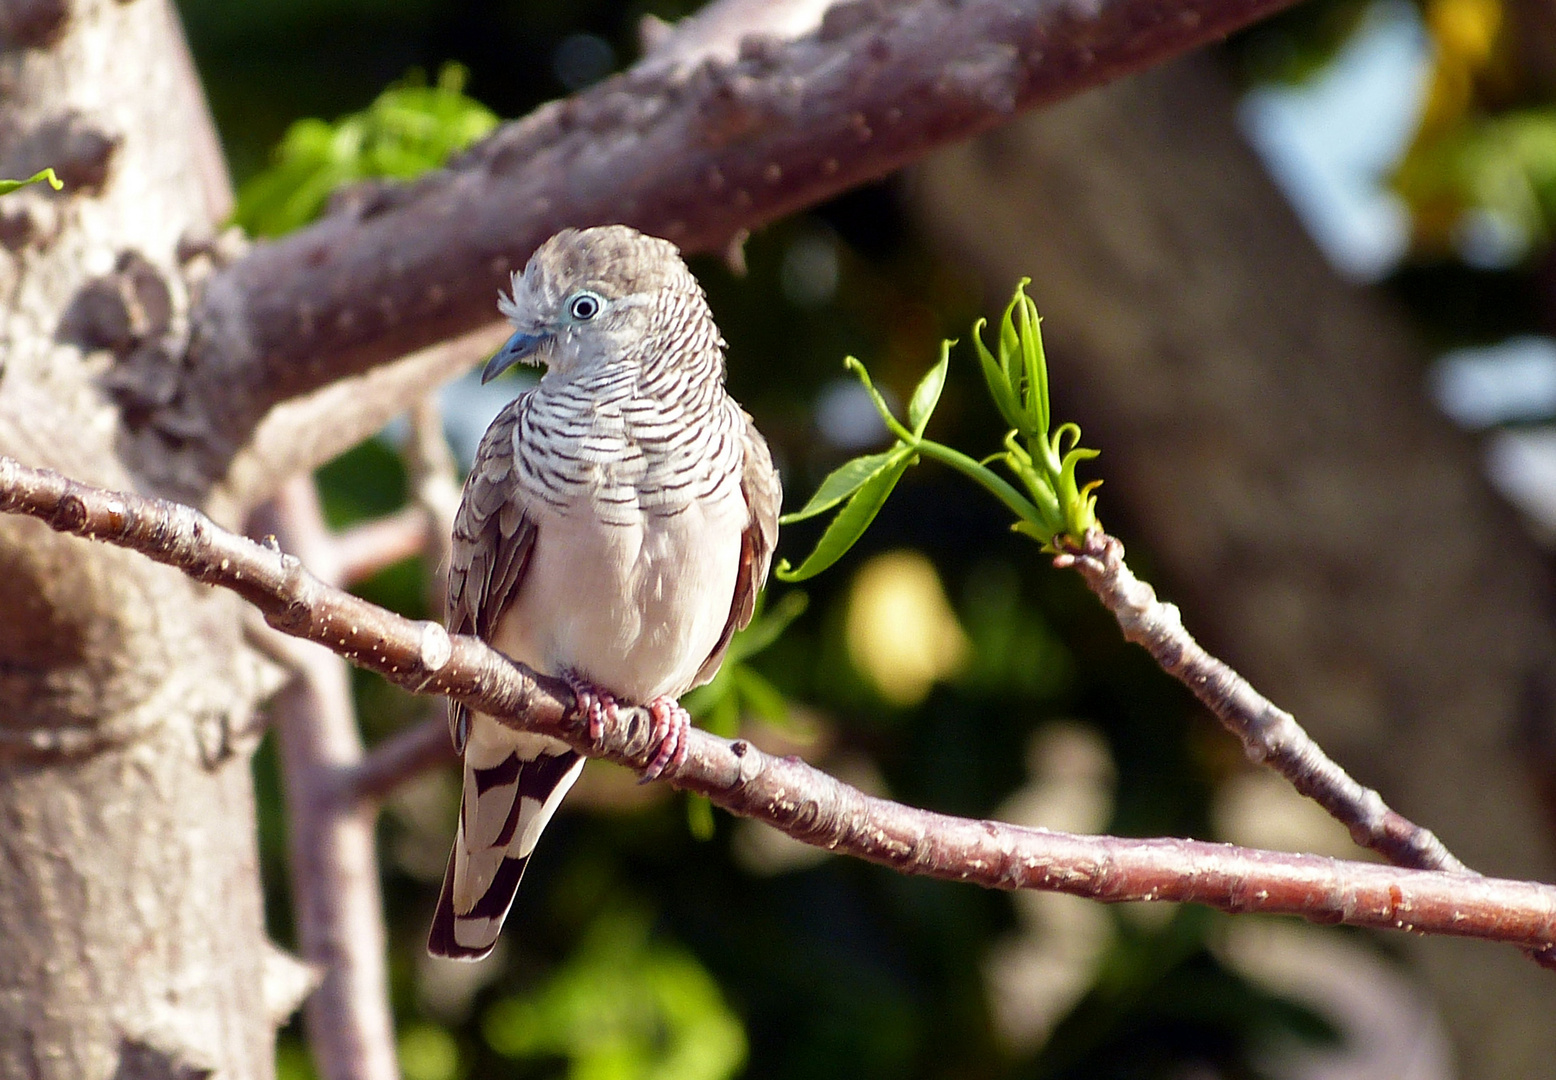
[
  {"x": 427, "y": 1052},
  {"x": 1479, "y": 178},
  {"x": 1157, "y": 994},
  {"x": 623, "y": 1007},
  {"x": 408, "y": 129},
  {"x": 635, "y": 948},
  {"x": 1499, "y": 171},
  {"x": 739, "y": 689}
]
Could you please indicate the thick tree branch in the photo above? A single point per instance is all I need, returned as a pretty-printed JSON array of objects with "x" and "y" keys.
[
  {"x": 307, "y": 431},
  {"x": 786, "y": 793},
  {"x": 694, "y": 154}
]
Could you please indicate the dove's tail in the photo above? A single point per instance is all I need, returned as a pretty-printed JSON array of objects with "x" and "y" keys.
[{"x": 513, "y": 783}]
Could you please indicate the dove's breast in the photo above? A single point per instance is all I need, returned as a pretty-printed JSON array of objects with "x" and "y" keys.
[{"x": 637, "y": 550}]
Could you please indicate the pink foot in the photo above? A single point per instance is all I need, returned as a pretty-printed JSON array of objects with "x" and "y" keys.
[
  {"x": 671, "y": 723},
  {"x": 593, "y": 703}
]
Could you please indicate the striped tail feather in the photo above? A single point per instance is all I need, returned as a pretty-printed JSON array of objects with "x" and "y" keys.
[{"x": 514, "y": 782}]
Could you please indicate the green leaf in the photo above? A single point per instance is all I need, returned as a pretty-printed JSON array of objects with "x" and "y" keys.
[
  {"x": 1077, "y": 503},
  {"x": 891, "y": 422},
  {"x": 761, "y": 696},
  {"x": 1039, "y": 486},
  {"x": 999, "y": 386},
  {"x": 927, "y": 394},
  {"x": 767, "y": 626},
  {"x": 840, "y": 484},
  {"x": 1034, "y": 364},
  {"x": 851, "y": 521},
  {"x": 43, "y": 176},
  {"x": 1010, "y": 341},
  {"x": 699, "y": 816}
]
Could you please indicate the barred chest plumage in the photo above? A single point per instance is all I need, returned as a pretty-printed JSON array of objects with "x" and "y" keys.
[
  {"x": 623, "y": 456},
  {"x": 639, "y": 508}
]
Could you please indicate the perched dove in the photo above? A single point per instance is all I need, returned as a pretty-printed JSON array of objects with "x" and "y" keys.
[{"x": 615, "y": 531}]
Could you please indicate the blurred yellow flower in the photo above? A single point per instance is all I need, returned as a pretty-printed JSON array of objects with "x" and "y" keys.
[
  {"x": 1464, "y": 33},
  {"x": 901, "y": 631}
]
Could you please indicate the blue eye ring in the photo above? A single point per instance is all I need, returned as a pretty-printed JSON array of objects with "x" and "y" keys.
[{"x": 584, "y": 306}]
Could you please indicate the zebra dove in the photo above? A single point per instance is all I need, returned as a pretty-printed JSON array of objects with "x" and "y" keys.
[{"x": 615, "y": 531}]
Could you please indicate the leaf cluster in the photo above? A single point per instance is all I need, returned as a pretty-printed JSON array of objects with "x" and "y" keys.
[
  {"x": 1049, "y": 502},
  {"x": 623, "y": 1007},
  {"x": 409, "y": 129},
  {"x": 1499, "y": 170}
]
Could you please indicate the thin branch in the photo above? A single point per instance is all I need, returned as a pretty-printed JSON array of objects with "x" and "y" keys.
[
  {"x": 785, "y": 792},
  {"x": 366, "y": 548},
  {"x": 403, "y": 756},
  {"x": 425, "y": 525},
  {"x": 434, "y": 478},
  {"x": 1270, "y": 735},
  {"x": 305, "y": 432},
  {"x": 696, "y": 154},
  {"x": 334, "y": 861}
]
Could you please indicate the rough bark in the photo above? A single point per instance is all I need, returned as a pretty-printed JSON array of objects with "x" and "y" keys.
[
  {"x": 1263, "y": 424},
  {"x": 129, "y": 903}
]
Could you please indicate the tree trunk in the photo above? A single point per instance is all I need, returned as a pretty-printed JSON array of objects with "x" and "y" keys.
[
  {"x": 1264, "y": 428},
  {"x": 129, "y": 906}
]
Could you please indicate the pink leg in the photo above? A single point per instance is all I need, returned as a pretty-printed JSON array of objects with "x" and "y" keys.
[
  {"x": 592, "y": 702},
  {"x": 671, "y": 722}
]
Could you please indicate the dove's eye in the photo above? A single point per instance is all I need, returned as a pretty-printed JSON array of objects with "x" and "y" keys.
[{"x": 584, "y": 306}]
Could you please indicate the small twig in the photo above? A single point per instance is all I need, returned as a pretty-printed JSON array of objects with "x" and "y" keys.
[
  {"x": 334, "y": 861},
  {"x": 364, "y": 549},
  {"x": 434, "y": 483},
  {"x": 787, "y": 793},
  {"x": 434, "y": 477},
  {"x": 400, "y": 758},
  {"x": 1269, "y": 734}
]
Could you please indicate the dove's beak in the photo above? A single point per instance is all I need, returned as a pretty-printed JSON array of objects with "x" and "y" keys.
[{"x": 519, "y": 347}]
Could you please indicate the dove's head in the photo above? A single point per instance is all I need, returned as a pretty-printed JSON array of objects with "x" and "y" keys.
[{"x": 593, "y": 299}]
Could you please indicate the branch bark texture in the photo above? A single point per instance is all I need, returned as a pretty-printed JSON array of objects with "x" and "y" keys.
[
  {"x": 786, "y": 793},
  {"x": 130, "y": 910},
  {"x": 697, "y": 154}
]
